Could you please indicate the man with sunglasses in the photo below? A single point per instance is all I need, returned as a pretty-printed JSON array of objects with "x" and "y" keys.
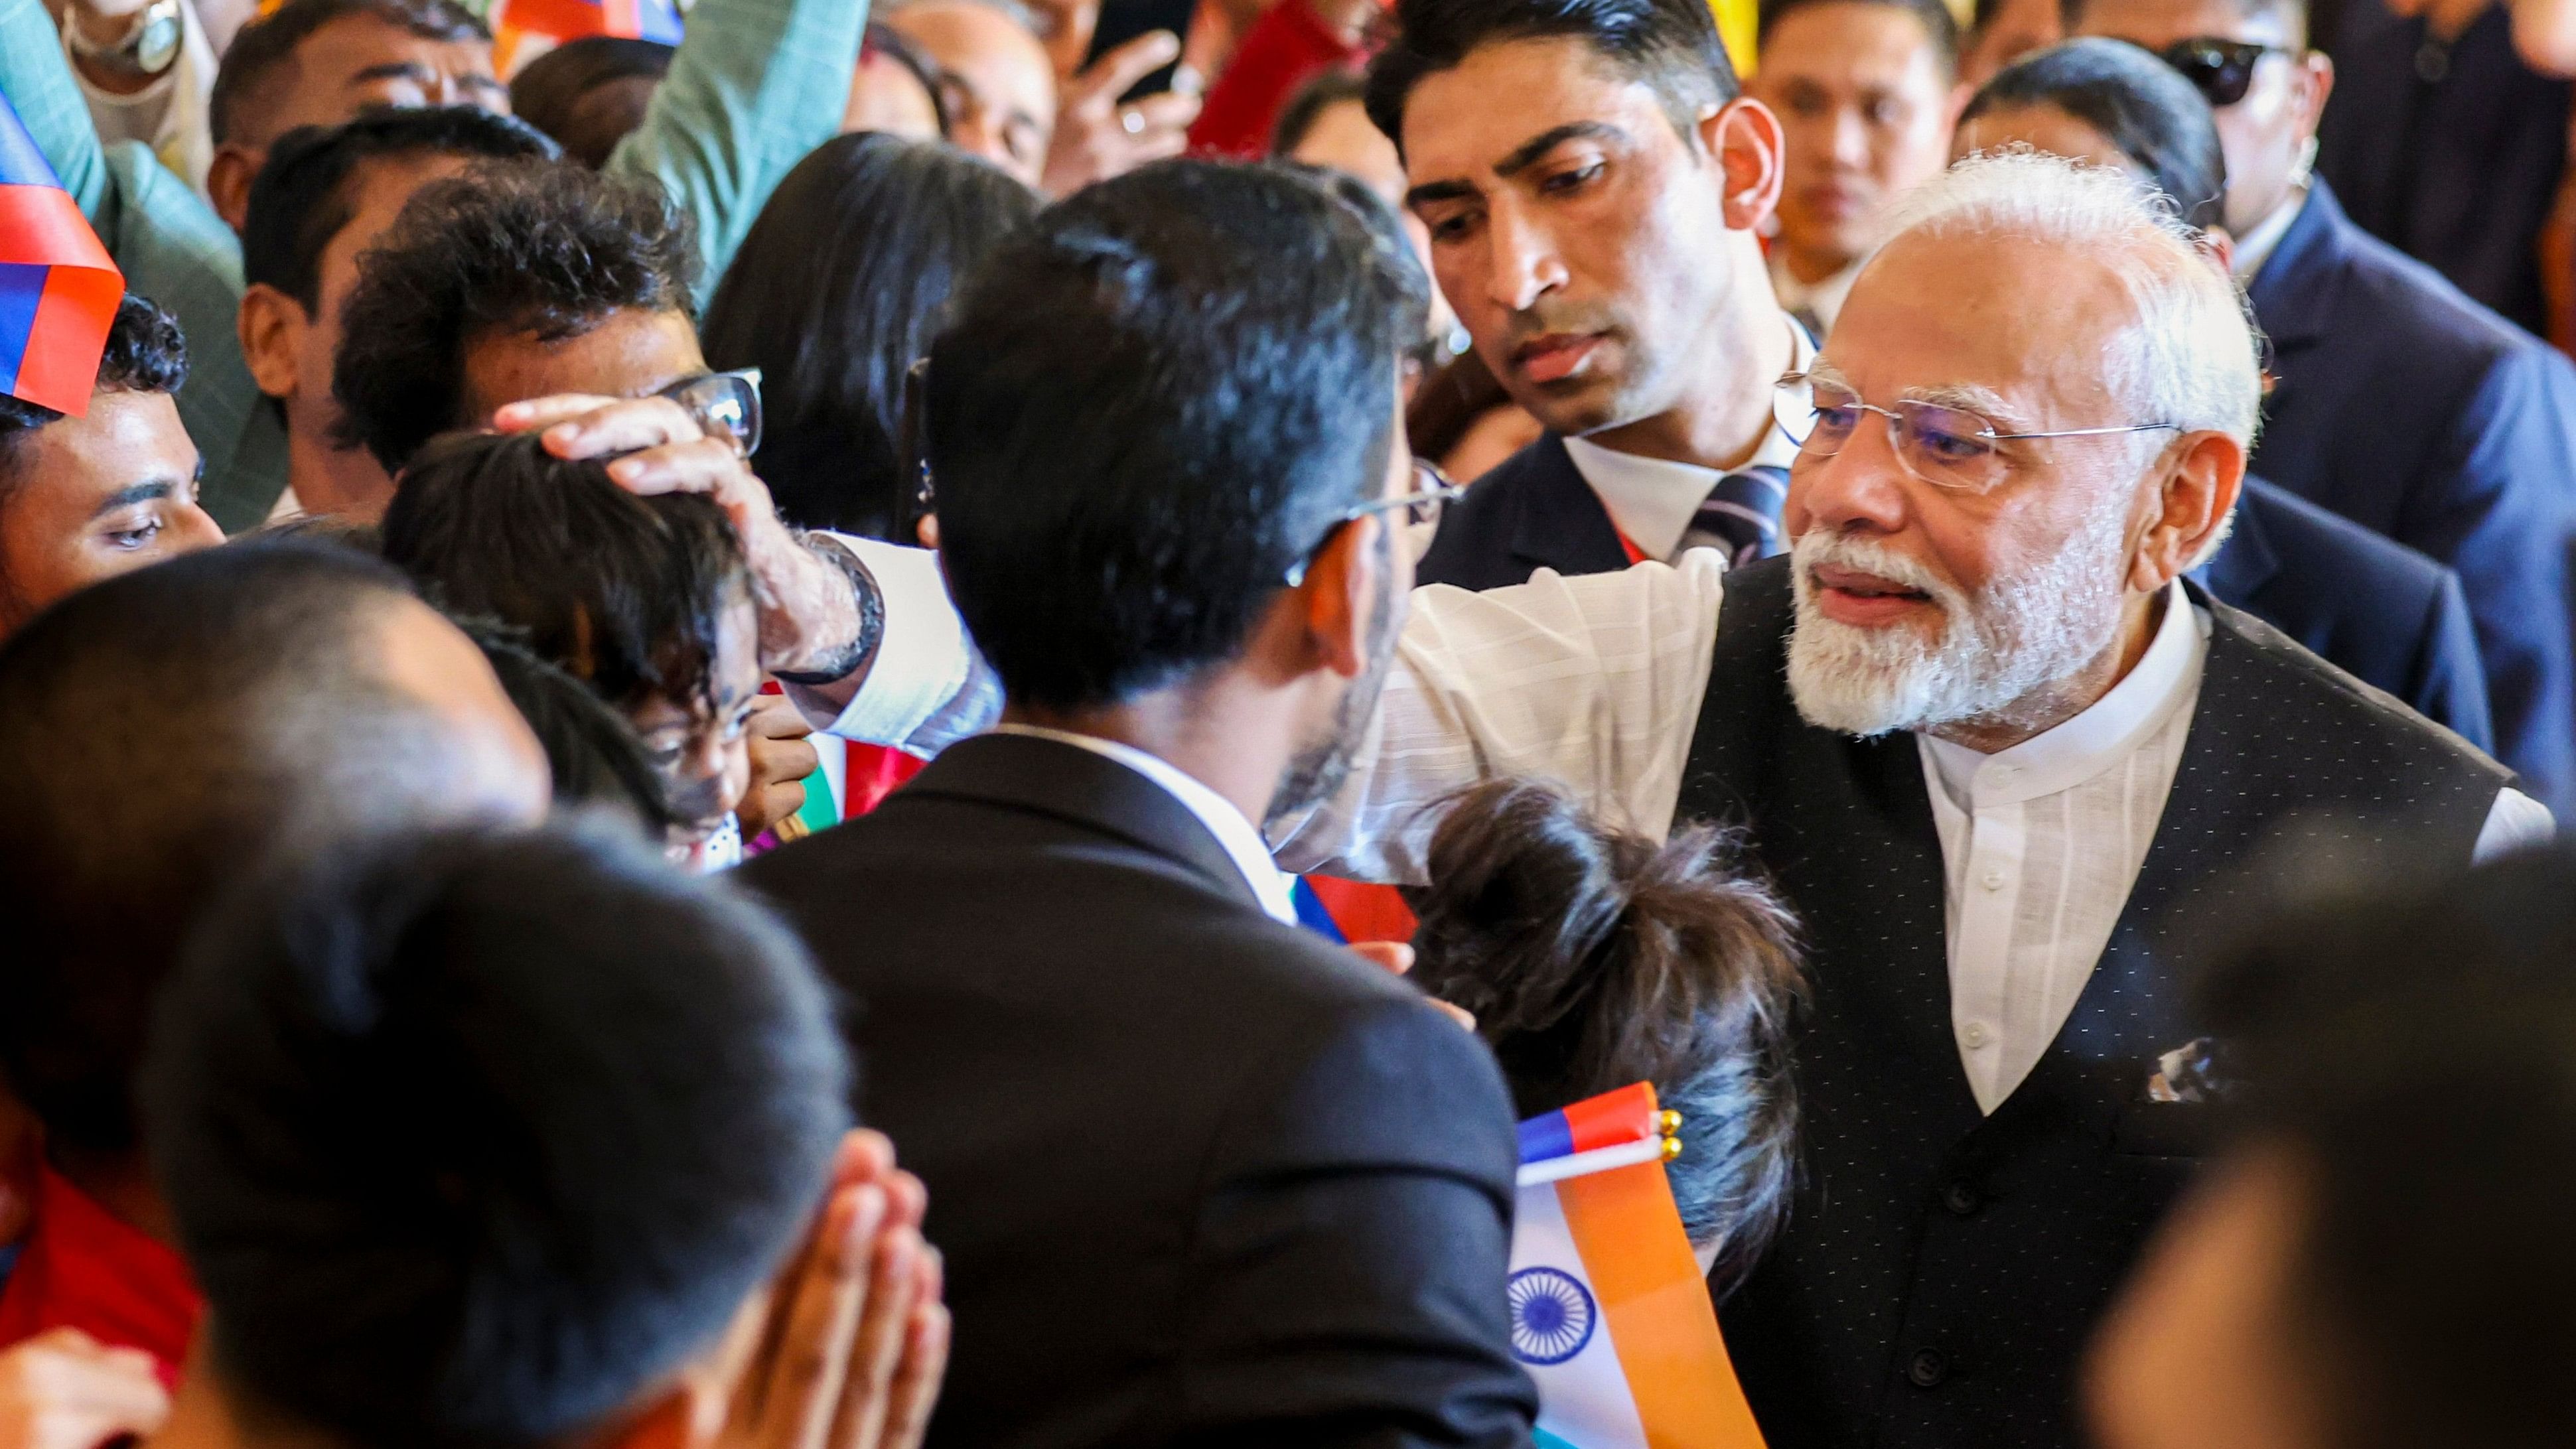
[
  {"x": 2395, "y": 400},
  {"x": 2006, "y": 762}
]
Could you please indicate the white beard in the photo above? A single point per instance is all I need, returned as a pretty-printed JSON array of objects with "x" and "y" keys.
[{"x": 1997, "y": 653}]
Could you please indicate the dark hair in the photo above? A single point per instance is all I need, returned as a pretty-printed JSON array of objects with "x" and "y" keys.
[
  {"x": 144, "y": 353},
  {"x": 1939, "y": 24},
  {"x": 158, "y": 731},
  {"x": 1150, "y": 407},
  {"x": 883, "y": 39},
  {"x": 1592, "y": 959},
  {"x": 513, "y": 247},
  {"x": 1671, "y": 45},
  {"x": 266, "y": 45},
  {"x": 627, "y": 593},
  {"x": 472, "y": 1138},
  {"x": 591, "y": 751},
  {"x": 2415, "y": 1047},
  {"x": 1307, "y": 105},
  {"x": 2138, "y": 103},
  {"x": 303, "y": 195},
  {"x": 585, "y": 92},
  {"x": 840, "y": 285}
]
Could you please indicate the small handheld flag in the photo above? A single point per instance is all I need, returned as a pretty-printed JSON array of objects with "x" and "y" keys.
[
  {"x": 573, "y": 19},
  {"x": 59, "y": 289},
  {"x": 1610, "y": 1313}
]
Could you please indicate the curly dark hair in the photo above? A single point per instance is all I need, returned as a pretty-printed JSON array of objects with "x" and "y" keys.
[
  {"x": 145, "y": 353},
  {"x": 527, "y": 246},
  {"x": 1593, "y": 958}
]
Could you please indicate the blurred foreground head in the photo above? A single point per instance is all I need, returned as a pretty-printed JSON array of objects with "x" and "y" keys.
[
  {"x": 162, "y": 732},
  {"x": 2384, "y": 1258},
  {"x": 487, "y": 1138}
]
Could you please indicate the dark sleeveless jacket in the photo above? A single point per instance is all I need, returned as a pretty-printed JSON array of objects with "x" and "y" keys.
[{"x": 1942, "y": 1269}]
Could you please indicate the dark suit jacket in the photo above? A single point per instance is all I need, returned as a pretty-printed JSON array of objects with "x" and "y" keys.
[
  {"x": 2420, "y": 415},
  {"x": 1200, "y": 1177},
  {"x": 2388, "y": 616},
  {"x": 2458, "y": 170},
  {"x": 2382, "y": 612}
]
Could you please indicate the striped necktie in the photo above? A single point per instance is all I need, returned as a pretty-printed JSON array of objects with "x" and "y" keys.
[{"x": 1742, "y": 514}]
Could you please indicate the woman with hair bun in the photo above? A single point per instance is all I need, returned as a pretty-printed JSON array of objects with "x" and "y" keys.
[{"x": 1592, "y": 958}]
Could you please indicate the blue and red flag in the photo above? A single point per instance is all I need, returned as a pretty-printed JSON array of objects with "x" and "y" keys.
[
  {"x": 573, "y": 19},
  {"x": 58, "y": 287}
]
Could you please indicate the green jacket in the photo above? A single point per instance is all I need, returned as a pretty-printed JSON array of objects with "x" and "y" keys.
[{"x": 756, "y": 85}]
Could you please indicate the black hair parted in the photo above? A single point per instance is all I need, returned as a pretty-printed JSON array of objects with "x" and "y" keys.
[
  {"x": 2139, "y": 104},
  {"x": 473, "y": 1138},
  {"x": 302, "y": 196},
  {"x": 1309, "y": 102},
  {"x": 1592, "y": 958},
  {"x": 267, "y": 44},
  {"x": 1672, "y": 45},
  {"x": 628, "y": 594},
  {"x": 1149, "y": 408},
  {"x": 1940, "y": 24},
  {"x": 525, "y": 246},
  {"x": 842, "y": 282}
]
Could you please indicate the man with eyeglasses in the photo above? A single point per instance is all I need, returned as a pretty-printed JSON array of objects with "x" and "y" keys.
[
  {"x": 2395, "y": 400},
  {"x": 2005, "y": 760}
]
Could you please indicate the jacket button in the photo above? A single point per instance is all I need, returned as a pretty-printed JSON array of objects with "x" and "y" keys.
[
  {"x": 1929, "y": 1367},
  {"x": 1961, "y": 1197}
]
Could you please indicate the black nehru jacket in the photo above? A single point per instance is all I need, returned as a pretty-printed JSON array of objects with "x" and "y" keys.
[
  {"x": 1200, "y": 1177},
  {"x": 1942, "y": 1270}
]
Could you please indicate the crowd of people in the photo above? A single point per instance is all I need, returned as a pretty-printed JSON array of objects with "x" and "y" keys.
[{"x": 919, "y": 726}]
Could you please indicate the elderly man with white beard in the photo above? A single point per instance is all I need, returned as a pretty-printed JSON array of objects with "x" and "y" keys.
[{"x": 2004, "y": 758}]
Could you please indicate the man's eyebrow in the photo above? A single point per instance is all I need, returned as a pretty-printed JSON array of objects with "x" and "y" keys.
[
  {"x": 1967, "y": 397},
  {"x": 1439, "y": 191},
  {"x": 126, "y": 497},
  {"x": 1529, "y": 151},
  {"x": 393, "y": 70}
]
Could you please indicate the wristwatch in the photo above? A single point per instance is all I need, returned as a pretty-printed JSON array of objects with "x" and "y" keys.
[{"x": 151, "y": 42}]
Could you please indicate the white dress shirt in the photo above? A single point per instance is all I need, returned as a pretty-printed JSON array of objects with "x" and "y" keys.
[
  {"x": 1243, "y": 844},
  {"x": 1822, "y": 299},
  {"x": 1596, "y": 682},
  {"x": 1654, "y": 501}
]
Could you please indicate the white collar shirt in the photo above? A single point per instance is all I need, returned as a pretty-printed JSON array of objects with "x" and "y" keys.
[
  {"x": 1243, "y": 843},
  {"x": 2256, "y": 247},
  {"x": 2041, "y": 843},
  {"x": 1654, "y": 501},
  {"x": 1819, "y": 301}
]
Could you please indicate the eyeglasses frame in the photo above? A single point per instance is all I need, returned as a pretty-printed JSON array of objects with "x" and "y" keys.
[{"x": 1794, "y": 381}]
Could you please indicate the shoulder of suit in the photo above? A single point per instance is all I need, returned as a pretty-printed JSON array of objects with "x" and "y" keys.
[
  {"x": 2417, "y": 313},
  {"x": 2302, "y": 682}
]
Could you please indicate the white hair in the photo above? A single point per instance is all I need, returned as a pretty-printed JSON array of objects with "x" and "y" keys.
[{"x": 2189, "y": 357}]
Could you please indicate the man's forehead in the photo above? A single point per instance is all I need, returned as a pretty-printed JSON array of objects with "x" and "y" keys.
[
  {"x": 1454, "y": 131},
  {"x": 2156, "y": 23},
  {"x": 1841, "y": 38},
  {"x": 315, "y": 83},
  {"x": 2027, "y": 320}
]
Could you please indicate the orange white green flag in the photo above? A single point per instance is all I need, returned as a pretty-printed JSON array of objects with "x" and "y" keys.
[{"x": 1610, "y": 1313}]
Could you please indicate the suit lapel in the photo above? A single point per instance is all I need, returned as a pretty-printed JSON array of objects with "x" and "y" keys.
[
  {"x": 1079, "y": 787},
  {"x": 1561, "y": 524},
  {"x": 2247, "y": 561}
]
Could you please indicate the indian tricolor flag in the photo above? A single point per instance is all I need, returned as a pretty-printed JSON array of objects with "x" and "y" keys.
[{"x": 1610, "y": 1313}]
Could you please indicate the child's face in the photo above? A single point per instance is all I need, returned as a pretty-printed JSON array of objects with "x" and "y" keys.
[{"x": 700, "y": 747}]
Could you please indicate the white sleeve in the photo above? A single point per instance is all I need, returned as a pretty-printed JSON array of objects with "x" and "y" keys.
[
  {"x": 925, "y": 687},
  {"x": 2514, "y": 821},
  {"x": 1594, "y": 682}
]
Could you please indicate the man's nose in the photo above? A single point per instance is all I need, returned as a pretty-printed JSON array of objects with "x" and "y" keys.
[
  {"x": 1862, "y": 485},
  {"x": 1524, "y": 260},
  {"x": 1847, "y": 136}
]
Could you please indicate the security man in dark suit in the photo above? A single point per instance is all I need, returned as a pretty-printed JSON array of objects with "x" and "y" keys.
[
  {"x": 2396, "y": 401},
  {"x": 1200, "y": 1178}
]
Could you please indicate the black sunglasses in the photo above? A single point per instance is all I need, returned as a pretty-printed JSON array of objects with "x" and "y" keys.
[{"x": 2220, "y": 70}]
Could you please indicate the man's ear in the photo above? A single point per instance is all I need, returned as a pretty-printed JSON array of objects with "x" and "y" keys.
[
  {"x": 2198, "y": 497},
  {"x": 228, "y": 179},
  {"x": 1745, "y": 138},
  {"x": 271, "y": 327},
  {"x": 1340, "y": 591},
  {"x": 2315, "y": 81}
]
